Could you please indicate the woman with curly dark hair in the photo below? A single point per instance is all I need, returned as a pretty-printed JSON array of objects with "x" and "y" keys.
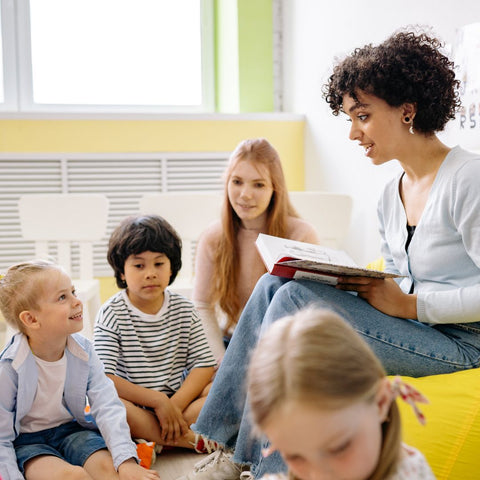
[{"x": 396, "y": 95}]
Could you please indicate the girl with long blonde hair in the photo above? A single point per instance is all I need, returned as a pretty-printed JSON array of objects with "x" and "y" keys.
[
  {"x": 321, "y": 396},
  {"x": 227, "y": 263}
]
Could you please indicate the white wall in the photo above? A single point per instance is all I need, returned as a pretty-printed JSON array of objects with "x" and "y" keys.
[{"x": 315, "y": 32}]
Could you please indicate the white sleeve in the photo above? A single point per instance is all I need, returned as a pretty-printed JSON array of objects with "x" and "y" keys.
[{"x": 459, "y": 305}]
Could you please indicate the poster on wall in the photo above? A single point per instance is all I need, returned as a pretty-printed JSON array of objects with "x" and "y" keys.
[{"x": 467, "y": 61}]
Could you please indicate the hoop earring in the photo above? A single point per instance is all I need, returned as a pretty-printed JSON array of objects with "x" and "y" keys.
[{"x": 411, "y": 129}]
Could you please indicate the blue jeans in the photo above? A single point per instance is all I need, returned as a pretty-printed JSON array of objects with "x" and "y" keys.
[{"x": 405, "y": 347}]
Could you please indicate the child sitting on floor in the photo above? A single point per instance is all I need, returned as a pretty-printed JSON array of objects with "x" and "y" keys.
[
  {"x": 321, "y": 397},
  {"x": 47, "y": 372},
  {"x": 150, "y": 339}
]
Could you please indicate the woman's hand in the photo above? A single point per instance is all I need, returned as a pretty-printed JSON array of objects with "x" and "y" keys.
[
  {"x": 172, "y": 424},
  {"x": 382, "y": 293}
]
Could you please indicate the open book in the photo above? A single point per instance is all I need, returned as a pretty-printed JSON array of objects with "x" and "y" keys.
[{"x": 300, "y": 260}]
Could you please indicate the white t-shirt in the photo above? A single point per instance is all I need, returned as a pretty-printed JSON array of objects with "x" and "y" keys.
[{"x": 48, "y": 409}]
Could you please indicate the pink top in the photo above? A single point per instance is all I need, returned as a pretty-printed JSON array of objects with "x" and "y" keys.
[{"x": 251, "y": 268}]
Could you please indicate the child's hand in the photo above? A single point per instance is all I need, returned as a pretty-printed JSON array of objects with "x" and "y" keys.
[
  {"x": 130, "y": 470},
  {"x": 172, "y": 424}
]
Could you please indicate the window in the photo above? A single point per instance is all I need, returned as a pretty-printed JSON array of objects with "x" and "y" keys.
[{"x": 111, "y": 55}]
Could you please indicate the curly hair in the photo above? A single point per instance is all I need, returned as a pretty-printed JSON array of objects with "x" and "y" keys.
[
  {"x": 405, "y": 68},
  {"x": 142, "y": 233}
]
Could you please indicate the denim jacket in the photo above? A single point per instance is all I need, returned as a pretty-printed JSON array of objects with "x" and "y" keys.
[{"x": 85, "y": 379}]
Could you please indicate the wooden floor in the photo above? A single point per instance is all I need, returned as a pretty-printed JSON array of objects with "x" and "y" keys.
[{"x": 176, "y": 463}]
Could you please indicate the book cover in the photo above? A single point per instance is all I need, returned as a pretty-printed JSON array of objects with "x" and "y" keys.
[{"x": 300, "y": 260}]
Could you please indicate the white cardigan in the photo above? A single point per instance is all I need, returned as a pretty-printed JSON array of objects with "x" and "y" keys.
[{"x": 443, "y": 260}]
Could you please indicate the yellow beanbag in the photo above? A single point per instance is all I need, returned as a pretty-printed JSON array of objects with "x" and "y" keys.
[
  {"x": 451, "y": 438},
  {"x": 377, "y": 264}
]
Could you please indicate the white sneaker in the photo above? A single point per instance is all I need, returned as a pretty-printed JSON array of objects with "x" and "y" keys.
[{"x": 217, "y": 466}]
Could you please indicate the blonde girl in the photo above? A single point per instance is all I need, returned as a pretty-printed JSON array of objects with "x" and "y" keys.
[
  {"x": 227, "y": 263},
  {"x": 320, "y": 395}
]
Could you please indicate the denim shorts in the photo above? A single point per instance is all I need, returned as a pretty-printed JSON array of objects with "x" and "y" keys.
[{"x": 70, "y": 442}]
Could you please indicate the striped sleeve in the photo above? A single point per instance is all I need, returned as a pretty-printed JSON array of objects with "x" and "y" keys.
[{"x": 106, "y": 337}]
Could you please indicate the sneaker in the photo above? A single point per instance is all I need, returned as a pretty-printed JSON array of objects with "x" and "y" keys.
[
  {"x": 247, "y": 476},
  {"x": 217, "y": 466},
  {"x": 203, "y": 445}
]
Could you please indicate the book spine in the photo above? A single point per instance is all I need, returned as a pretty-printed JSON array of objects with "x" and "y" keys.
[
  {"x": 283, "y": 271},
  {"x": 303, "y": 274}
]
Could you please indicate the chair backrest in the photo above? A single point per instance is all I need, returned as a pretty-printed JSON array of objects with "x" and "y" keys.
[
  {"x": 63, "y": 219},
  {"x": 329, "y": 213},
  {"x": 189, "y": 213}
]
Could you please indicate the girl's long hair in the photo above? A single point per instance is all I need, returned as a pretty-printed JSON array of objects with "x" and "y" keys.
[
  {"x": 260, "y": 152},
  {"x": 317, "y": 358}
]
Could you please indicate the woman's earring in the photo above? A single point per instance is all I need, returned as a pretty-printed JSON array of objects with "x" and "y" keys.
[{"x": 407, "y": 120}]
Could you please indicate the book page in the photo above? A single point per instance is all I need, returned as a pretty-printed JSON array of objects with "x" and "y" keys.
[
  {"x": 327, "y": 279},
  {"x": 317, "y": 253},
  {"x": 336, "y": 269},
  {"x": 311, "y": 258}
]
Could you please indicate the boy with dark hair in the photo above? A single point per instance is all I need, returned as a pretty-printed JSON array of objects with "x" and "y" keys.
[{"x": 150, "y": 339}]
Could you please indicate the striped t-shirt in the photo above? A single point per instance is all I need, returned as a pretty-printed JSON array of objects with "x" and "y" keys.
[{"x": 153, "y": 351}]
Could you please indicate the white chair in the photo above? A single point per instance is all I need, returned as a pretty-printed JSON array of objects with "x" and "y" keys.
[
  {"x": 329, "y": 213},
  {"x": 61, "y": 220},
  {"x": 189, "y": 214}
]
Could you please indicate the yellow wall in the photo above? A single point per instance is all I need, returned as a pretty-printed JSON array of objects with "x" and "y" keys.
[
  {"x": 221, "y": 133},
  {"x": 108, "y": 287},
  {"x": 157, "y": 136}
]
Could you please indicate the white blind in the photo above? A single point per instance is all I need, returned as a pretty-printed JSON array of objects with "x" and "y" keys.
[{"x": 124, "y": 178}]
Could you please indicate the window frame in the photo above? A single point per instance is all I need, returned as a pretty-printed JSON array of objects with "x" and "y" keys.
[
  {"x": 18, "y": 79},
  {"x": 10, "y": 56}
]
